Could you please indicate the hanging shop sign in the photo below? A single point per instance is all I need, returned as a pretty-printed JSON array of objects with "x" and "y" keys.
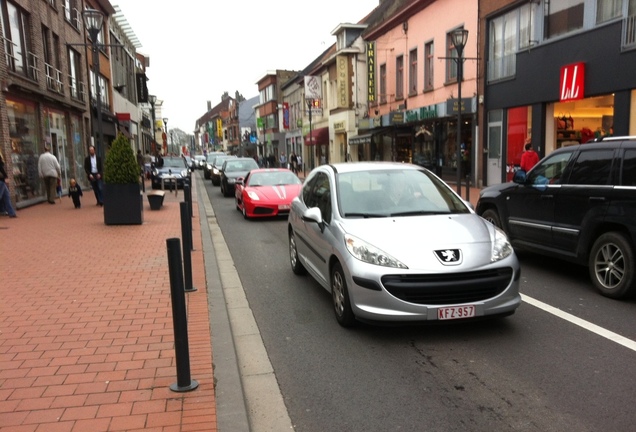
[
  {"x": 572, "y": 82},
  {"x": 342, "y": 66},
  {"x": 371, "y": 71}
]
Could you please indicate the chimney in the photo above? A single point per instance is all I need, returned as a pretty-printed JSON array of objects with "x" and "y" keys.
[{"x": 209, "y": 106}]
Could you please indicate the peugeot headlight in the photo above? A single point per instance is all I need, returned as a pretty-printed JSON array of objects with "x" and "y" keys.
[
  {"x": 231, "y": 180},
  {"x": 209, "y": 167},
  {"x": 501, "y": 247},
  {"x": 184, "y": 173},
  {"x": 370, "y": 254},
  {"x": 253, "y": 196},
  {"x": 215, "y": 171}
]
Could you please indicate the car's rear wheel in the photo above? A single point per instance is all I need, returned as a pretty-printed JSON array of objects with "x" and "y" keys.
[
  {"x": 492, "y": 216},
  {"x": 340, "y": 296},
  {"x": 296, "y": 265},
  {"x": 611, "y": 266}
]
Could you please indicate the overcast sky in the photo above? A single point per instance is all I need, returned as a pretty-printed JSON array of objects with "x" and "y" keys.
[{"x": 200, "y": 49}]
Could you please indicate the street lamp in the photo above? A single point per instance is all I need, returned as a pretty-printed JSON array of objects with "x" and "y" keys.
[
  {"x": 93, "y": 21},
  {"x": 165, "y": 122},
  {"x": 153, "y": 99},
  {"x": 459, "y": 38},
  {"x": 310, "y": 104}
]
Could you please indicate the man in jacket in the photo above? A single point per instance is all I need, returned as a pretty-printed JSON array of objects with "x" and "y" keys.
[
  {"x": 93, "y": 168},
  {"x": 49, "y": 171}
]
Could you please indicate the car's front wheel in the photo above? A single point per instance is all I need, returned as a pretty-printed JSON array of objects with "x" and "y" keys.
[
  {"x": 296, "y": 265},
  {"x": 340, "y": 296},
  {"x": 611, "y": 266},
  {"x": 492, "y": 216}
]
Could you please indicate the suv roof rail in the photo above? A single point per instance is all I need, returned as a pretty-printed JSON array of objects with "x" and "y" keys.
[{"x": 615, "y": 138}]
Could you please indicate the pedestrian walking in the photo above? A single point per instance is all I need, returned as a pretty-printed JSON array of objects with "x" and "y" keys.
[
  {"x": 5, "y": 196},
  {"x": 94, "y": 171},
  {"x": 283, "y": 160},
  {"x": 49, "y": 171},
  {"x": 75, "y": 192},
  {"x": 294, "y": 162}
]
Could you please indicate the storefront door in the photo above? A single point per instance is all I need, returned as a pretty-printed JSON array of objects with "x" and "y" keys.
[{"x": 495, "y": 136}]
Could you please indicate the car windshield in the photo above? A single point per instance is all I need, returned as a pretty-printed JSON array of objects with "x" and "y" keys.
[
  {"x": 173, "y": 163},
  {"x": 395, "y": 193},
  {"x": 240, "y": 165},
  {"x": 218, "y": 161},
  {"x": 275, "y": 178},
  {"x": 212, "y": 156}
]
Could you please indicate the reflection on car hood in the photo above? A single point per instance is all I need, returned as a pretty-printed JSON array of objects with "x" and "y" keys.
[
  {"x": 282, "y": 193},
  {"x": 168, "y": 170},
  {"x": 413, "y": 239}
]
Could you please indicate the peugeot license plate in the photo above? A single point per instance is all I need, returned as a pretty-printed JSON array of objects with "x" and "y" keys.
[{"x": 456, "y": 312}]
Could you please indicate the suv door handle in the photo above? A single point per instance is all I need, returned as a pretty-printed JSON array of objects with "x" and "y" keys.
[
  {"x": 547, "y": 197},
  {"x": 595, "y": 199}
]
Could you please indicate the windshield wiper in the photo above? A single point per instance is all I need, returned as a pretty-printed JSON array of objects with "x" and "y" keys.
[
  {"x": 418, "y": 213},
  {"x": 365, "y": 215}
]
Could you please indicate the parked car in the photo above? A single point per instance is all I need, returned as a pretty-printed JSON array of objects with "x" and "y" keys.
[
  {"x": 173, "y": 170},
  {"x": 266, "y": 192},
  {"x": 199, "y": 161},
  {"x": 190, "y": 162},
  {"x": 232, "y": 169},
  {"x": 392, "y": 242},
  {"x": 577, "y": 204},
  {"x": 215, "y": 173},
  {"x": 207, "y": 167}
]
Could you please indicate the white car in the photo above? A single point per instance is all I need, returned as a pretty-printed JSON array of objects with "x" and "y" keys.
[{"x": 392, "y": 242}]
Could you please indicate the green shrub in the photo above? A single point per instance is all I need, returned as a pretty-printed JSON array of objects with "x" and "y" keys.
[{"x": 121, "y": 164}]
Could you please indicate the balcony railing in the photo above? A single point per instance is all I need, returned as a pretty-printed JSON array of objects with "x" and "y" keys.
[
  {"x": 15, "y": 62},
  {"x": 629, "y": 33},
  {"x": 54, "y": 79},
  {"x": 77, "y": 89}
]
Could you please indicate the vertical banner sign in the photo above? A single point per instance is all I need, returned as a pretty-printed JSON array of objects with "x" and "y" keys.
[
  {"x": 219, "y": 128},
  {"x": 572, "y": 82},
  {"x": 342, "y": 66},
  {"x": 142, "y": 88},
  {"x": 285, "y": 115},
  {"x": 371, "y": 71},
  {"x": 313, "y": 87}
]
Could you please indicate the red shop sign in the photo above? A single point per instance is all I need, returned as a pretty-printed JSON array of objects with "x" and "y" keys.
[{"x": 572, "y": 83}]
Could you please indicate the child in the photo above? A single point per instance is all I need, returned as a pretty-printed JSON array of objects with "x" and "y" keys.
[
  {"x": 59, "y": 188},
  {"x": 75, "y": 192}
]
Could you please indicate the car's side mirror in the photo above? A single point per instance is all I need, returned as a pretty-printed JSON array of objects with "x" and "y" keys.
[
  {"x": 519, "y": 177},
  {"x": 314, "y": 215}
]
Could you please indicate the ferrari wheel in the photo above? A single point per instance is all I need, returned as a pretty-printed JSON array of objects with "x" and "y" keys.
[
  {"x": 340, "y": 296},
  {"x": 296, "y": 266}
]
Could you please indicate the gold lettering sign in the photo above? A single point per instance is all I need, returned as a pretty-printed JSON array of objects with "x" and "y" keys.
[
  {"x": 371, "y": 71},
  {"x": 342, "y": 66}
]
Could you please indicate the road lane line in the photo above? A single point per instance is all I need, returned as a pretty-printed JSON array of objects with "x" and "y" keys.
[{"x": 614, "y": 337}]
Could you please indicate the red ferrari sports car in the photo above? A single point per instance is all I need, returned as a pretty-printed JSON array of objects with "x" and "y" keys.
[{"x": 266, "y": 192}]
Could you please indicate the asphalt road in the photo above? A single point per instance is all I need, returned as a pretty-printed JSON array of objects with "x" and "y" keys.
[{"x": 566, "y": 369}]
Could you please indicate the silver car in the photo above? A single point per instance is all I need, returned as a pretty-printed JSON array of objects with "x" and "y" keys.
[{"x": 392, "y": 242}]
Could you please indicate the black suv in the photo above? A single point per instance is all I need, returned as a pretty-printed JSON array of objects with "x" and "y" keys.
[{"x": 577, "y": 204}]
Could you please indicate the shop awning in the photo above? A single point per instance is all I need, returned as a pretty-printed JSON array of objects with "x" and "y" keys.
[
  {"x": 360, "y": 139},
  {"x": 319, "y": 136}
]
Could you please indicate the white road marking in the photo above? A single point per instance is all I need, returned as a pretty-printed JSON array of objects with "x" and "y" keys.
[{"x": 614, "y": 337}]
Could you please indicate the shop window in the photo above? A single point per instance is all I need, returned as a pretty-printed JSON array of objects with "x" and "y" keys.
[{"x": 24, "y": 149}]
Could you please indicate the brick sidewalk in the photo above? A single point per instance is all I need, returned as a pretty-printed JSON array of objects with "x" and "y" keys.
[{"x": 86, "y": 331}]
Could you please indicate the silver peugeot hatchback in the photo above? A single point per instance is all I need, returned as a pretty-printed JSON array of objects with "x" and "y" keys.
[{"x": 392, "y": 242}]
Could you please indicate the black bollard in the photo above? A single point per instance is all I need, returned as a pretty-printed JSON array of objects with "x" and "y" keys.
[
  {"x": 468, "y": 188},
  {"x": 187, "y": 191},
  {"x": 187, "y": 257},
  {"x": 179, "y": 319}
]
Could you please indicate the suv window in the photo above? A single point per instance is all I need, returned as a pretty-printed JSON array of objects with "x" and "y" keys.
[
  {"x": 592, "y": 167},
  {"x": 629, "y": 169},
  {"x": 549, "y": 171}
]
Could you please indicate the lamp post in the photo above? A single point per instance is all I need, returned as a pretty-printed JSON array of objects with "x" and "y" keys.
[
  {"x": 165, "y": 122},
  {"x": 153, "y": 99},
  {"x": 93, "y": 21},
  {"x": 459, "y": 38},
  {"x": 310, "y": 104}
]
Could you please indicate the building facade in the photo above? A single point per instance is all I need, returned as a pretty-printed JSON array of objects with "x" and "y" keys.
[{"x": 556, "y": 73}]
